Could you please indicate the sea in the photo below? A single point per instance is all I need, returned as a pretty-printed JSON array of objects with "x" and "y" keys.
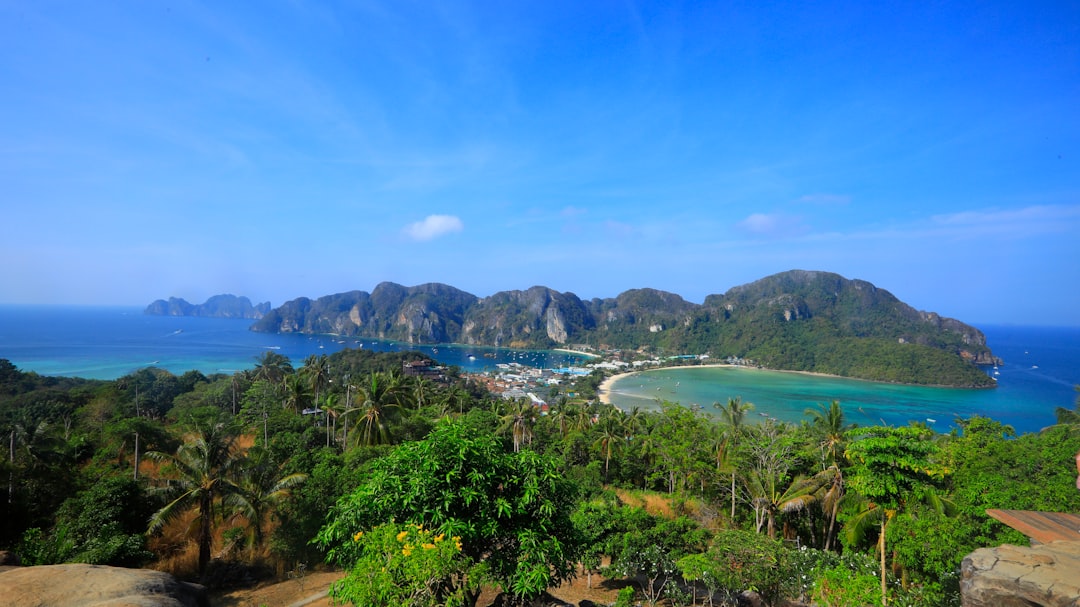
[
  {"x": 1040, "y": 372},
  {"x": 110, "y": 342}
]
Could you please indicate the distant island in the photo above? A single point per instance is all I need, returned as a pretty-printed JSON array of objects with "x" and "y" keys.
[
  {"x": 797, "y": 320},
  {"x": 218, "y": 306}
]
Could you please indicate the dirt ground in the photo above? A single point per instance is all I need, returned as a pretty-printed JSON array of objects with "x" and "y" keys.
[{"x": 310, "y": 591}]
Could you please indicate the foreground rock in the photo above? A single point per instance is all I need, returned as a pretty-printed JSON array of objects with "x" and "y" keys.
[
  {"x": 1047, "y": 575},
  {"x": 75, "y": 585}
]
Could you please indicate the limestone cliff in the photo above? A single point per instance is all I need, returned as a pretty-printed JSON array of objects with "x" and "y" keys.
[
  {"x": 218, "y": 306},
  {"x": 797, "y": 320}
]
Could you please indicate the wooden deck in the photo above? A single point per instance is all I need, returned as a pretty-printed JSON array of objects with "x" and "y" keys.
[{"x": 1043, "y": 527}]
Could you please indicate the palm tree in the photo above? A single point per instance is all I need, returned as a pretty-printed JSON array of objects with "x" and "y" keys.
[
  {"x": 827, "y": 422},
  {"x": 201, "y": 472},
  {"x": 296, "y": 394},
  {"x": 272, "y": 367},
  {"x": 518, "y": 419},
  {"x": 723, "y": 453},
  {"x": 421, "y": 391},
  {"x": 317, "y": 372},
  {"x": 733, "y": 415},
  {"x": 380, "y": 393},
  {"x": 334, "y": 408},
  {"x": 611, "y": 436},
  {"x": 260, "y": 485}
]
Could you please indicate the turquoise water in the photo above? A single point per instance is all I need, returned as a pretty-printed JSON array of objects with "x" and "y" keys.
[
  {"x": 1042, "y": 366},
  {"x": 109, "y": 342}
]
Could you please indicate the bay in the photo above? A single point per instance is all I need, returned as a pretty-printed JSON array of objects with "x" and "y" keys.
[
  {"x": 1042, "y": 366},
  {"x": 110, "y": 342}
]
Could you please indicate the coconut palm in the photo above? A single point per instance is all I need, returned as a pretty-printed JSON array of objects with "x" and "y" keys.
[
  {"x": 201, "y": 472},
  {"x": 334, "y": 407},
  {"x": 519, "y": 417},
  {"x": 296, "y": 393},
  {"x": 272, "y": 367},
  {"x": 827, "y": 423},
  {"x": 612, "y": 435},
  {"x": 260, "y": 485},
  {"x": 316, "y": 371},
  {"x": 376, "y": 398},
  {"x": 733, "y": 416}
]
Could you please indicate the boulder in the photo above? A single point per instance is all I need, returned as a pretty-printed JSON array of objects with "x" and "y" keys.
[
  {"x": 76, "y": 585},
  {"x": 1045, "y": 575}
]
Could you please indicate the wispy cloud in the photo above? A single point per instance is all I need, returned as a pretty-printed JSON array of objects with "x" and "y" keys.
[
  {"x": 433, "y": 226},
  {"x": 1015, "y": 223},
  {"x": 772, "y": 224}
]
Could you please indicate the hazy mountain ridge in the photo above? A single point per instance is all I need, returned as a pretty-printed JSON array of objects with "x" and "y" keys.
[
  {"x": 218, "y": 306},
  {"x": 797, "y": 320}
]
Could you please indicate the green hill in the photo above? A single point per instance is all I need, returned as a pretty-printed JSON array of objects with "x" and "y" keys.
[{"x": 797, "y": 320}]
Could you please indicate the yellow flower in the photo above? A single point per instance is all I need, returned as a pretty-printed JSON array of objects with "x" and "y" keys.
[
  {"x": 406, "y": 550},
  {"x": 359, "y": 534},
  {"x": 401, "y": 536},
  {"x": 439, "y": 538},
  {"x": 429, "y": 546}
]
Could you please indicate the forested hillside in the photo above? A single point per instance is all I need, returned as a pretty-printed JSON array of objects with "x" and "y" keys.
[
  {"x": 797, "y": 320},
  {"x": 430, "y": 489}
]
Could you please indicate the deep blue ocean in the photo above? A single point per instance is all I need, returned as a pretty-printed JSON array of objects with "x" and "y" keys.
[
  {"x": 110, "y": 342},
  {"x": 1042, "y": 366}
]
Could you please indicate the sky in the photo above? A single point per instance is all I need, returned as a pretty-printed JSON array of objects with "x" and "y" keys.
[{"x": 285, "y": 149}]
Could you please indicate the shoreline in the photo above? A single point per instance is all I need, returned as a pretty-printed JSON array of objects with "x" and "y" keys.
[
  {"x": 603, "y": 391},
  {"x": 577, "y": 352}
]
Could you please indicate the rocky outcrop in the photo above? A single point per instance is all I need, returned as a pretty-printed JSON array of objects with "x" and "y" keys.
[
  {"x": 1046, "y": 575},
  {"x": 218, "y": 306},
  {"x": 797, "y": 320},
  {"x": 75, "y": 585}
]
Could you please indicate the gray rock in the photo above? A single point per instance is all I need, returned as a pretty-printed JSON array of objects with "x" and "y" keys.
[
  {"x": 76, "y": 585},
  {"x": 1047, "y": 575}
]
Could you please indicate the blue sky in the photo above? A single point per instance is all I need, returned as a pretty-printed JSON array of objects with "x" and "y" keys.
[{"x": 287, "y": 149}]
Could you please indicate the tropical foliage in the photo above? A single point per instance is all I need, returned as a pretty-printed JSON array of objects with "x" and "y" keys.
[{"x": 426, "y": 491}]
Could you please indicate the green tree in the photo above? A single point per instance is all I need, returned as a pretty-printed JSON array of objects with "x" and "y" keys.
[
  {"x": 201, "y": 473},
  {"x": 518, "y": 418},
  {"x": 259, "y": 486},
  {"x": 382, "y": 393},
  {"x": 611, "y": 437},
  {"x": 404, "y": 565},
  {"x": 511, "y": 510},
  {"x": 272, "y": 367},
  {"x": 891, "y": 467},
  {"x": 828, "y": 426},
  {"x": 102, "y": 525},
  {"x": 733, "y": 417},
  {"x": 316, "y": 371}
]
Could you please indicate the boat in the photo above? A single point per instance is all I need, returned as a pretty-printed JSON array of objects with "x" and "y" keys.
[{"x": 931, "y": 420}]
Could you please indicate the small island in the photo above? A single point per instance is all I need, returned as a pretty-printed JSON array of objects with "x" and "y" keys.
[{"x": 218, "y": 306}]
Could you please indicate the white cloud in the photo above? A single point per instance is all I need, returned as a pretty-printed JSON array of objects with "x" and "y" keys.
[
  {"x": 772, "y": 224},
  {"x": 433, "y": 226}
]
